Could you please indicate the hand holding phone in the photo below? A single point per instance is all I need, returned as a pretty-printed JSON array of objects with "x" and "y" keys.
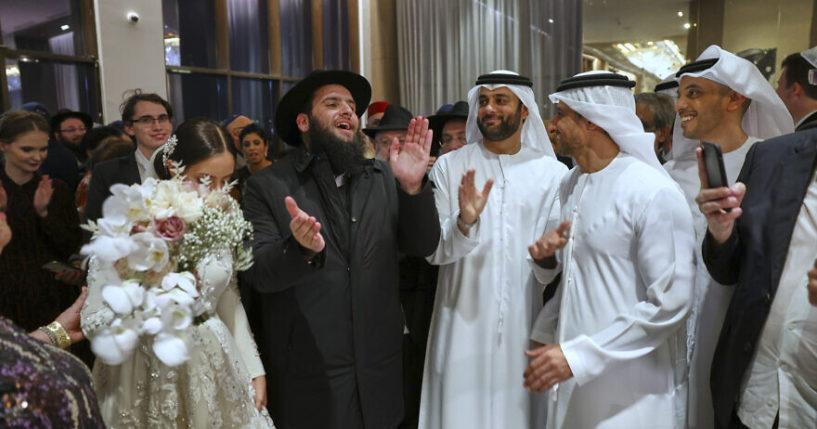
[{"x": 717, "y": 199}]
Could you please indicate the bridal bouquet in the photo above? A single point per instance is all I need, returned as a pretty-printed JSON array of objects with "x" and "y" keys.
[{"x": 147, "y": 245}]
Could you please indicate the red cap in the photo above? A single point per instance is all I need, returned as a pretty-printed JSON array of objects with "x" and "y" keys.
[{"x": 377, "y": 107}]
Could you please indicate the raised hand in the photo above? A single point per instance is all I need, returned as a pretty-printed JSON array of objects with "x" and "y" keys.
[
  {"x": 69, "y": 319},
  {"x": 551, "y": 241},
  {"x": 547, "y": 367},
  {"x": 305, "y": 229},
  {"x": 42, "y": 196},
  {"x": 714, "y": 202},
  {"x": 471, "y": 200},
  {"x": 409, "y": 162}
]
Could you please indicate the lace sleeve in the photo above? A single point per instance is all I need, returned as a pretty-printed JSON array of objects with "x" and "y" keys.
[
  {"x": 95, "y": 313},
  {"x": 231, "y": 312}
]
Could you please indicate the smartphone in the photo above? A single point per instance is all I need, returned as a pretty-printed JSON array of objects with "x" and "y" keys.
[
  {"x": 713, "y": 164},
  {"x": 58, "y": 267}
]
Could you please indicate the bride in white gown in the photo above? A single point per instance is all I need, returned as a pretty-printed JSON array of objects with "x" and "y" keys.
[{"x": 222, "y": 385}]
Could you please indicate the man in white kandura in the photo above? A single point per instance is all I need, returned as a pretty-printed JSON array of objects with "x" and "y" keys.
[
  {"x": 487, "y": 297},
  {"x": 608, "y": 340},
  {"x": 722, "y": 99}
]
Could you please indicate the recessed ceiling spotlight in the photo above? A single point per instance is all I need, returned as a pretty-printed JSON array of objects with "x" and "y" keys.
[
  {"x": 64, "y": 27},
  {"x": 680, "y": 13},
  {"x": 687, "y": 26}
]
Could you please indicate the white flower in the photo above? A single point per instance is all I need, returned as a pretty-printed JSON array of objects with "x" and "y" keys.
[
  {"x": 126, "y": 203},
  {"x": 151, "y": 253},
  {"x": 177, "y": 317},
  {"x": 189, "y": 206},
  {"x": 123, "y": 299},
  {"x": 110, "y": 249},
  {"x": 161, "y": 203},
  {"x": 152, "y": 326},
  {"x": 116, "y": 343},
  {"x": 185, "y": 280},
  {"x": 170, "y": 349}
]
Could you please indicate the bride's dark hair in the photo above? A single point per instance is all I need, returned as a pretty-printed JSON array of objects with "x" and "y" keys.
[{"x": 198, "y": 139}]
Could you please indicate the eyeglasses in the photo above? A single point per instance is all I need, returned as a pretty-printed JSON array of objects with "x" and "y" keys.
[
  {"x": 448, "y": 139},
  {"x": 73, "y": 130},
  {"x": 148, "y": 120}
]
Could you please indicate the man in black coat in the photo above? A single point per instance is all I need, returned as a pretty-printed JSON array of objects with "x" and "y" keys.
[
  {"x": 328, "y": 228},
  {"x": 765, "y": 360},
  {"x": 797, "y": 87}
]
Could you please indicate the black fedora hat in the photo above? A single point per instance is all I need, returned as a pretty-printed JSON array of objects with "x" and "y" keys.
[
  {"x": 296, "y": 98},
  {"x": 458, "y": 110},
  {"x": 395, "y": 118},
  {"x": 64, "y": 114}
]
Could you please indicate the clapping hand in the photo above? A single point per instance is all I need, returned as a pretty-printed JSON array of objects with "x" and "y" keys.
[
  {"x": 42, "y": 196},
  {"x": 714, "y": 202},
  {"x": 410, "y": 162},
  {"x": 471, "y": 200},
  {"x": 305, "y": 229}
]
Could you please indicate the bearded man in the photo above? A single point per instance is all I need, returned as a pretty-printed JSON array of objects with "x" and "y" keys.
[
  {"x": 487, "y": 296},
  {"x": 328, "y": 228}
]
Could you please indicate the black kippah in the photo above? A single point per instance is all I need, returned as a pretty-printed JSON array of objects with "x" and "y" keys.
[
  {"x": 506, "y": 78},
  {"x": 666, "y": 85},
  {"x": 697, "y": 66},
  {"x": 595, "y": 79}
]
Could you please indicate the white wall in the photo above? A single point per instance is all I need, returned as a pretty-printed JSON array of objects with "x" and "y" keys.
[{"x": 131, "y": 55}]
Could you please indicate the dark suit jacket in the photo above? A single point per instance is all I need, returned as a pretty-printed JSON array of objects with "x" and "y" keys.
[
  {"x": 776, "y": 173},
  {"x": 118, "y": 170},
  {"x": 333, "y": 328},
  {"x": 809, "y": 123}
]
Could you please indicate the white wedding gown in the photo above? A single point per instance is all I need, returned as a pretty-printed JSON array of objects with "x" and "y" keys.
[{"x": 211, "y": 390}]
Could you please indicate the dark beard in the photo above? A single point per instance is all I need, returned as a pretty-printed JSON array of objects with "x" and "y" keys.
[
  {"x": 344, "y": 157},
  {"x": 507, "y": 127}
]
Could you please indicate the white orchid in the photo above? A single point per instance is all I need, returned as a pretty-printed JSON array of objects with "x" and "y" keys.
[
  {"x": 115, "y": 343},
  {"x": 151, "y": 253},
  {"x": 110, "y": 249},
  {"x": 170, "y": 349},
  {"x": 124, "y": 298}
]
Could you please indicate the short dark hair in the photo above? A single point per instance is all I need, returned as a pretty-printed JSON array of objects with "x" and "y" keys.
[
  {"x": 17, "y": 122},
  {"x": 796, "y": 68},
  {"x": 661, "y": 106},
  {"x": 197, "y": 140},
  {"x": 129, "y": 105},
  {"x": 109, "y": 148},
  {"x": 253, "y": 128},
  {"x": 94, "y": 136}
]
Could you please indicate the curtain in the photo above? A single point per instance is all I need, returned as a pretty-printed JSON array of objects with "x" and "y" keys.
[
  {"x": 65, "y": 74},
  {"x": 444, "y": 46}
]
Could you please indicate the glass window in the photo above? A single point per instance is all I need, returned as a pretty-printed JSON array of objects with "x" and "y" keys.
[
  {"x": 256, "y": 99},
  {"x": 56, "y": 84},
  {"x": 296, "y": 37},
  {"x": 249, "y": 37},
  {"x": 190, "y": 36},
  {"x": 336, "y": 35},
  {"x": 54, "y": 26},
  {"x": 195, "y": 94}
]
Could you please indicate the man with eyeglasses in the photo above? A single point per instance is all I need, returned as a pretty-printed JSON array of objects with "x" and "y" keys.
[
  {"x": 65, "y": 159},
  {"x": 147, "y": 119},
  {"x": 393, "y": 124},
  {"x": 449, "y": 124}
]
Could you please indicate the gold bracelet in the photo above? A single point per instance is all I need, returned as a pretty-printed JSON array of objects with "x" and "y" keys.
[{"x": 57, "y": 334}]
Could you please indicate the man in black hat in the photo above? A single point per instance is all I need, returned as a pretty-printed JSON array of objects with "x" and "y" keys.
[
  {"x": 65, "y": 158},
  {"x": 449, "y": 127},
  {"x": 328, "y": 228},
  {"x": 393, "y": 125}
]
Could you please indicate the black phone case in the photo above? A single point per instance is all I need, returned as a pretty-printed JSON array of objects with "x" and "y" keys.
[{"x": 713, "y": 163}]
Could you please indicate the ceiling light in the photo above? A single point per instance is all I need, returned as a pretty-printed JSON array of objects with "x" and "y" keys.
[
  {"x": 687, "y": 26},
  {"x": 680, "y": 13},
  {"x": 65, "y": 27}
]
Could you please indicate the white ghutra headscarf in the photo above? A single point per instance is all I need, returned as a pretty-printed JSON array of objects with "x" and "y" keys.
[
  {"x": 534, "y": 134},
  {"x": 606, "y": 99}
]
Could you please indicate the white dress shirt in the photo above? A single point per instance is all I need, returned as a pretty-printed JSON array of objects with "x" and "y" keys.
[
  {"x": 145, "y": 165},
  {"x": 782, "y": 376}
]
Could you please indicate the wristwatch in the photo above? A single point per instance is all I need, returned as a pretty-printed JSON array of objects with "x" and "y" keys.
[{"x": 461, "y": 223}]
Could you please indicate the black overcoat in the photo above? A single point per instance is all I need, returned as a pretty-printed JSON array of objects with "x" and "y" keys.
[{"x": 332, "y": 325}]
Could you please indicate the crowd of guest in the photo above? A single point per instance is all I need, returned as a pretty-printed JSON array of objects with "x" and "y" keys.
[{"x": 471, "y": 232}]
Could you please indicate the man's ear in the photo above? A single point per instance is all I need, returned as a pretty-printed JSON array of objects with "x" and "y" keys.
[
  {"x": 796, "y": 88},
  {"x": 736, "y": 100},
  {"x": 524, "y": 112},
  {"x": 129, "y": 130},
  {"x": 302, "y": 120}
]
